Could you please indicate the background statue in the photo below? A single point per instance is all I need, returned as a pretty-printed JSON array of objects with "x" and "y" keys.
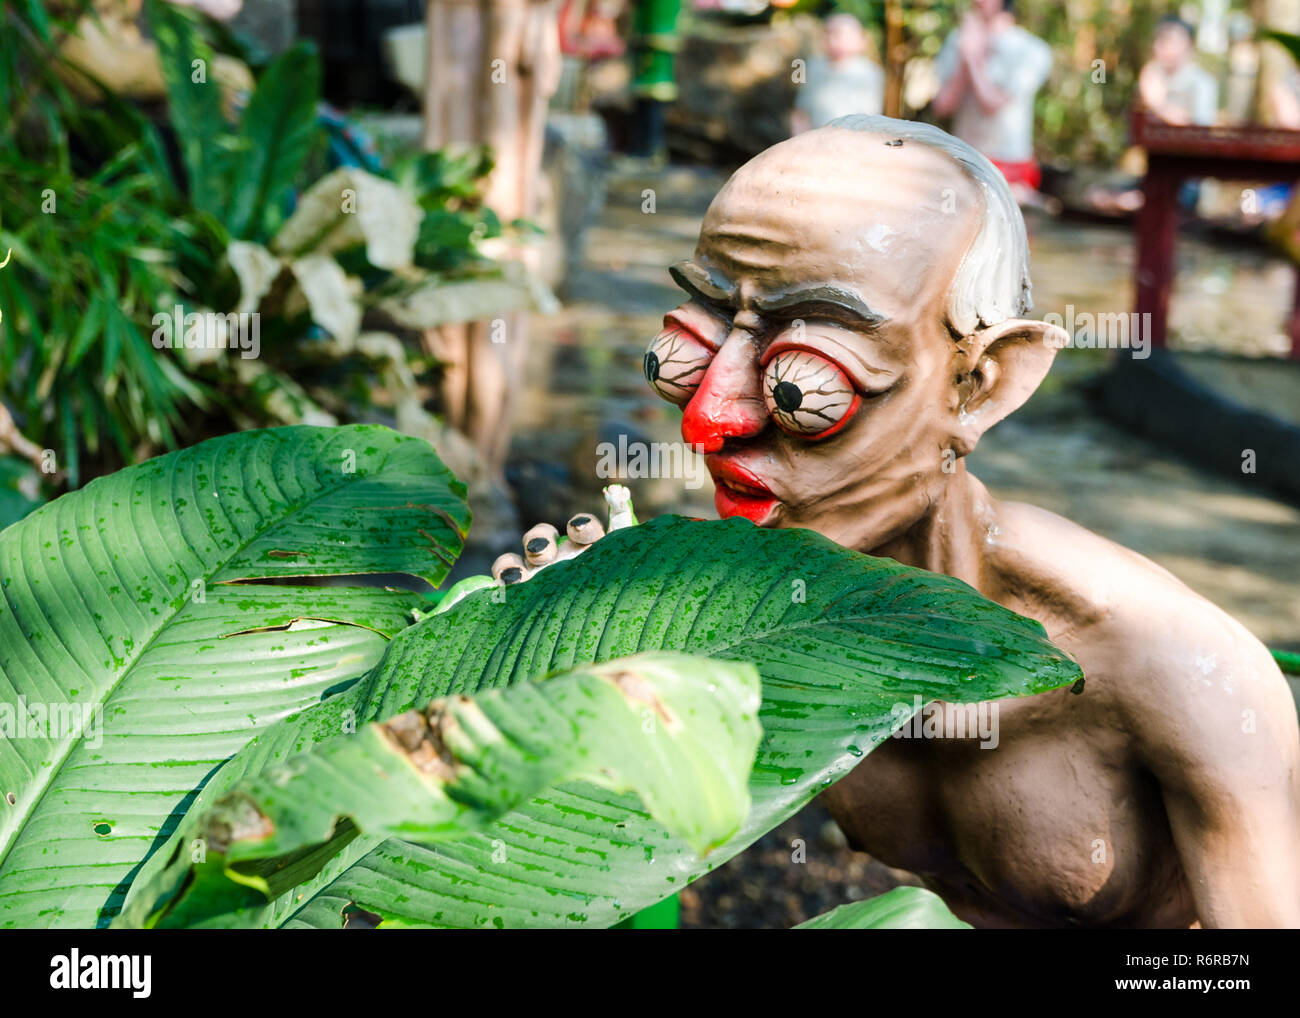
[
  {"x": 653, "y": 48},
  {"x": 1173, "y": 86},
  {"x": 843, "y": 81},
  {"x": 492, "y": 66},
  {"x": 991, "y": 69}
]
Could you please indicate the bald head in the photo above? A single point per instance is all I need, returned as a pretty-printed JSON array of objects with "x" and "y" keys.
[
  {"x": 846, "y": 209},
  {"x": 894, "y": 201}
]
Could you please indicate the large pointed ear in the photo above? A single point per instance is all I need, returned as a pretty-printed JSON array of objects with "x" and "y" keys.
[{"x": 1006, "y": 363}]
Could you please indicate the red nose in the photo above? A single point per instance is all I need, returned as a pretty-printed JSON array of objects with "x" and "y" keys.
[{"x": 728, "y": 403}]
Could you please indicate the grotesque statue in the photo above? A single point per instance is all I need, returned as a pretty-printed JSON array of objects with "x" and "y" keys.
[{"x": 852, "y": 327}]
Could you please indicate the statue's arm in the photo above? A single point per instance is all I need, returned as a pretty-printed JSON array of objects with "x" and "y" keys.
[
  {"x": 1222, "y": 740},
  {"x": 990, "y": 97}
]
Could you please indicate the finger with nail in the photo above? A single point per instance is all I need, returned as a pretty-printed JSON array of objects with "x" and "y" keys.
[
  {"x": 584, "y": 529},
  {"x": 509, "y": 568},
  {"x": 540, "y": 545}
]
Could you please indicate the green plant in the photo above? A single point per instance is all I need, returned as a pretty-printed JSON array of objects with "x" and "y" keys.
[
  {"x": 400, "y": 238},
  {"x": 211, "y": 722},
  {"x": 1100, "y": 47},
  {"x": 41, "y": 112},
  {"x": 396, "y": 252},
  {"x": 241, "y": 177},
  {"x": 105, "y": 236},
  {"x": 678, "y": 731},
  {"x": 104, "y": 240},
  {"x": 94, "y": 258},
  {"x": 903, "y": 908},
  {"x": 89, "y": 215},
  {"x": 449, "y": 188}
]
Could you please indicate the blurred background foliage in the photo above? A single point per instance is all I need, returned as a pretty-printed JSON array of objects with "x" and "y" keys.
[{"x": 117, "y": 211}]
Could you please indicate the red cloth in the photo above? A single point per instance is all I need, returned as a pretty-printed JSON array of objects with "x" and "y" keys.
[{"x": 1027, "y": 173}]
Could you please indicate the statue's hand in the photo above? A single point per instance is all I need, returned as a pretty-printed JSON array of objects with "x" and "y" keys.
[
  {"x": 972, "y": 37},
  {"x": 543, "y": 544}
]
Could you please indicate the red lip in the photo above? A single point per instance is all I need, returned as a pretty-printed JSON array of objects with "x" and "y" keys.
[{"x": 739, "y": 492}]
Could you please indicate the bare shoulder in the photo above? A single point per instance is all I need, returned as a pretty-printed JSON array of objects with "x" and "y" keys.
[
  {"x": 1148, "y": 644},
  {"x": 1082, "y": 578}
]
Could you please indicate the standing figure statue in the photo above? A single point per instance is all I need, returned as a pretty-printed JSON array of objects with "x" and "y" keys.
[
  {"x": 843, "y": 81},
  {"x": 492, "y": 66},
  {"x": 990, "y": 69},
  {"x": 653, "y": 51},
  {"x": 848, "y": 336},
  {"x": 1172, "y": 86}
]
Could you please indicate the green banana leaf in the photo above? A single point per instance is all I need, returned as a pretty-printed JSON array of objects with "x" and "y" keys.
[
  {"x": 140, "y": 647},
  {"x": 842, "y": 641},
  {"x": 903, "y": 908},
  {"x": 678, "y": 731}
]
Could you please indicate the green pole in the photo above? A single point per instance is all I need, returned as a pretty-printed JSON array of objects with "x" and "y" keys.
[
  {"x": 1287, "y": 660},
  {"x": 664, "y": 915}
]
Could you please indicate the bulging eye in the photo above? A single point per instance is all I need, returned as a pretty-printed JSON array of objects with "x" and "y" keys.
[
  {"x": 675, "y": 364},
  {"x": 807, "y": 394}
]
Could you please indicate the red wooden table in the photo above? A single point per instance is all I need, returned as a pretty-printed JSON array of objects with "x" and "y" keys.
[{"x": 1177, "y": 153}]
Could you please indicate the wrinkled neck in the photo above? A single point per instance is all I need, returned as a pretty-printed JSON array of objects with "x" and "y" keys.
[{"x": 951, "y": 535}]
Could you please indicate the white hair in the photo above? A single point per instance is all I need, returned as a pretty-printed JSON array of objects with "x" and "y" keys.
[{"x": 992, "y": 282}]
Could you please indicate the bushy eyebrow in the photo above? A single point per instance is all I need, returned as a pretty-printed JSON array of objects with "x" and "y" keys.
[
  {"x": 814, "y": 302},
  {"x": 811, "y": 302},
  {"x": 696, "y": 282}
]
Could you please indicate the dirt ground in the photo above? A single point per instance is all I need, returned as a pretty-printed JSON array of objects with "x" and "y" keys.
[{"x": 1232, "y": 543}]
